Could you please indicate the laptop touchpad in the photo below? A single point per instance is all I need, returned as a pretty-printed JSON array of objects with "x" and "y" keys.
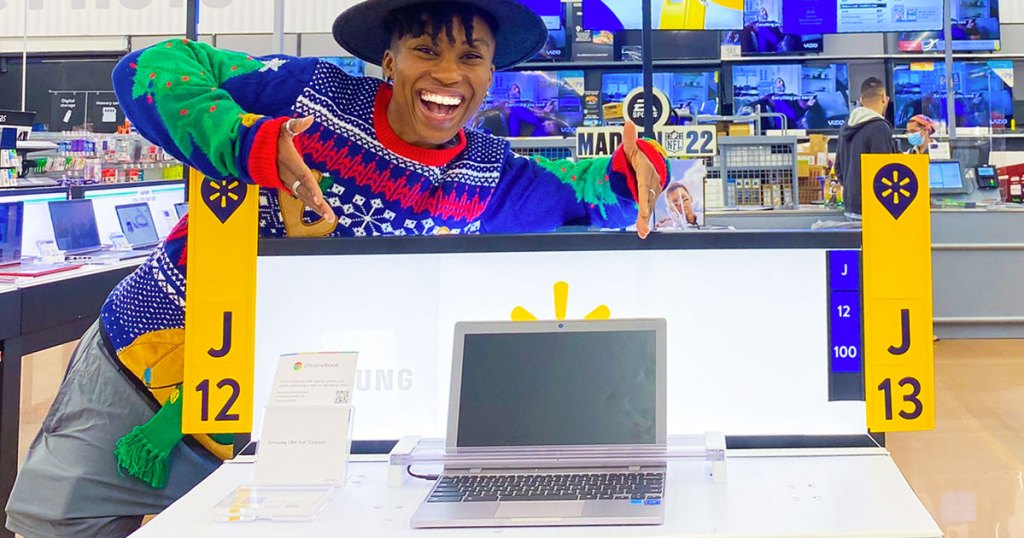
[{"x": 534, "y": 509}]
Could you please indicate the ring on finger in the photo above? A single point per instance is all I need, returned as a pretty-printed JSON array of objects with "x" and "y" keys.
[
  {"x": 288, "y": 127},
  {"x": 295, "y": 186}
]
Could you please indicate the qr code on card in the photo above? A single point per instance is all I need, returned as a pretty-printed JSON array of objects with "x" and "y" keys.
[{"x": 341, "y": 397}]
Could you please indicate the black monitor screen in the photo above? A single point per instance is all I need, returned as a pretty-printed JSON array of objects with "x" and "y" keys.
[
  {"x": 812, "y": 97},
  {"x": 983, "y": 92},
  {"x": 532, "y": 103},
  {"x": 975, "y": 27},
  {"x": 762, "y": 32},
  {"x": 10, "y": 231},
  {"x": 565, "y": 388},
  {"x": 137, "y": 223},
  {"x": 74, "y": 225},
  {"x": 690, "y": 93}
]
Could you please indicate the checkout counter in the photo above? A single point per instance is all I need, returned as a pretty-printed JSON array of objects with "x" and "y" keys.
[{"x": 977, "y": 253}]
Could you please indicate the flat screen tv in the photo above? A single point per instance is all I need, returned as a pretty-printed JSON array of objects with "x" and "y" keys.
[
  {"x": 859, "y": 16},
  {"x": 690, "y": 92},
  {"x": 532, "y": 103},
  {"x": 762, "y": 32},
  {"x": 615, "y": 15},
  {"x": 812, "y": 97},
  {"x": 982, "y": 92},
  {"x": 975, "y": 27},
  {"x": 553, "y": 13}
]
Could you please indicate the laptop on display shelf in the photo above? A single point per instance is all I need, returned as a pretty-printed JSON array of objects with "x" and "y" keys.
[
  {"x": 137, "y": 225},
  {"x": 11, "y": 218},
  {"x": 558, "y": 385},
  {"x": 77, "y": 234}
]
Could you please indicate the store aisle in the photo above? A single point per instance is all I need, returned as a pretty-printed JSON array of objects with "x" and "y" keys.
[{"x": 969, "y": 471}]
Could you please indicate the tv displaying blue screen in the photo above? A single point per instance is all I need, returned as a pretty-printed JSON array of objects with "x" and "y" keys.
[
  {"x": 983, "y": 92},
  {"x": 812, "y": 97},
  {"x": 615, "y": 15},
  {"x": 762, "y": 32},
  {"x": 975, "y": 27},
  {"x": 689, "y": 92},
  {"x": 857, "y": 16},
  {"x": 532, "y": 103}
]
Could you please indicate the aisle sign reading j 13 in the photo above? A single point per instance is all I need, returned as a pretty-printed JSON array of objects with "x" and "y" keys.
[
  {"x": 220, "y": 319},
  {"x": 899, "y": 377}
]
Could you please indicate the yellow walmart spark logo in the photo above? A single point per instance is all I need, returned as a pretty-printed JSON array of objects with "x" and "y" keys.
[{"x": 561, "y": 292}]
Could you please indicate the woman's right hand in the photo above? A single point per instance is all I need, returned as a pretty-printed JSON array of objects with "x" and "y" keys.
[{"x": 294, "y": 173}]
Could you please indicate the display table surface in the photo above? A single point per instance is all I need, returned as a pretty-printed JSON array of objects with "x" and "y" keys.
[{"x": 778, "y": 493}]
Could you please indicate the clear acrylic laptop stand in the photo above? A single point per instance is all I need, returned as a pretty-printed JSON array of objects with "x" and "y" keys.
[{"x": 413, "y": 450}]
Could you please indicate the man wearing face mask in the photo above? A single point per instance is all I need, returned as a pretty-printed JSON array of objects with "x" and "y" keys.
[
  {"x": 920, "y": 129},
  {"x": 335, "y": 156}
]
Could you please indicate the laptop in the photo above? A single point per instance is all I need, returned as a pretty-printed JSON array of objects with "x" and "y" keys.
[
  {"x": 181, "y": 209},
  {"x": 137, "y": 225},
  {"x": 11, "y": 219},
  {"x": 77, "y": 234},
  {"x": 553, "y": 384}
]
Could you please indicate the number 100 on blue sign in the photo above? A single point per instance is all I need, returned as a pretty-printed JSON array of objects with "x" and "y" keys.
[{"x": 845, "y": 313}]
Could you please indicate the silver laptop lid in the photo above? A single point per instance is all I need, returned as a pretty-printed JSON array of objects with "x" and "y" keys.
[{"x": 558, "y": 383}]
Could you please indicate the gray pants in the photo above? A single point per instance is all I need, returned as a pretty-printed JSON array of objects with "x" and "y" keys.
[{"x": 70, "y": 484}]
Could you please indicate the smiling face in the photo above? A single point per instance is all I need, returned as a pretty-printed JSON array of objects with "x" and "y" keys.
[{"x": 439, "y": 83}]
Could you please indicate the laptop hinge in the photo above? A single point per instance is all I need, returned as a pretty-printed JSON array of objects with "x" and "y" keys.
[{"x": 634, "y": 468}]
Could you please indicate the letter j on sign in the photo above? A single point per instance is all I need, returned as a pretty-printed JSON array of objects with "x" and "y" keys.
[
  {"x": 899, "y": 370},
  {"x": 220, "y": 320}
]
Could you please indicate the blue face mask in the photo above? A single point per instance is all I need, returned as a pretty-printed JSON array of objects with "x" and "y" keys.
[{"x": 915, "y": 139}]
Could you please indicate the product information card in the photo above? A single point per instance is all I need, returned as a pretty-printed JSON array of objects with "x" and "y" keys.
[
  {"x": 314, "y": 379},
  {"x": 306, "y": 426}
]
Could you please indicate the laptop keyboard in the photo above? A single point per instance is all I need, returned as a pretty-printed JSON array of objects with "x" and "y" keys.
[{"x": 637, "y": 488}]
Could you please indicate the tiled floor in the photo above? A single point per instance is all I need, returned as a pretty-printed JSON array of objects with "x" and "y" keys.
[{"x": 969, "y": 471}]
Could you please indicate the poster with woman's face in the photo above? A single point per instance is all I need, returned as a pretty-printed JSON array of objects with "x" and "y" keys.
[{"x": 681, "y": 205}]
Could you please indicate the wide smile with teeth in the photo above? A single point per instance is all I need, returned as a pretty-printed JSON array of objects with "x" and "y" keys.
[{"x": 440, "y": 105}]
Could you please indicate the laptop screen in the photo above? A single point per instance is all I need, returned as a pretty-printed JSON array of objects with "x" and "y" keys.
[
  {"x": 10, "y": 231},
  {"x": 181, "y": 209},
  {"x": 558, "y": 388},
  {"x": 137, "y": 224},
  {"x": 74, "y": 225}
]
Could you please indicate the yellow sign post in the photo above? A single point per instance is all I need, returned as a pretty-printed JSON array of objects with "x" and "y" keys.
[
  {"x": 220, "y": 324},
  {"x": 899, "y": 377}
]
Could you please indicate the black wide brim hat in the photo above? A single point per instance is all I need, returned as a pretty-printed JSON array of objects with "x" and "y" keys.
[{"x": 520, "y": 35}]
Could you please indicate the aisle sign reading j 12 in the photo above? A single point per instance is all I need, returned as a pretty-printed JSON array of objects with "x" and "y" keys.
[
  {"x": 860, "y": 16},
  {"x": 845, "y": 316},
  {"x": 220, "y": 319},
  {"x": 899, "y": 377}
]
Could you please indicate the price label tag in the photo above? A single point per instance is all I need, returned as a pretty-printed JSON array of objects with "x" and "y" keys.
[
  {"x": 220, "y": 311},
  {"x": 899, "y": 357}
]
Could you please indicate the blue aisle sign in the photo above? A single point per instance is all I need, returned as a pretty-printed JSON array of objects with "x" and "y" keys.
[{"x": 845, "y": 314}]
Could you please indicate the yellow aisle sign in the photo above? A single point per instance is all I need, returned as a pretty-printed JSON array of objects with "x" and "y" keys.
[
  {"x": 899, "y": 377},
  {"x": 220, "y": 309}
]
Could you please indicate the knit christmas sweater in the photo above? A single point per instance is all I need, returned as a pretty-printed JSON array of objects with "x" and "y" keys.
[{"x": 221, "y": 113}]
